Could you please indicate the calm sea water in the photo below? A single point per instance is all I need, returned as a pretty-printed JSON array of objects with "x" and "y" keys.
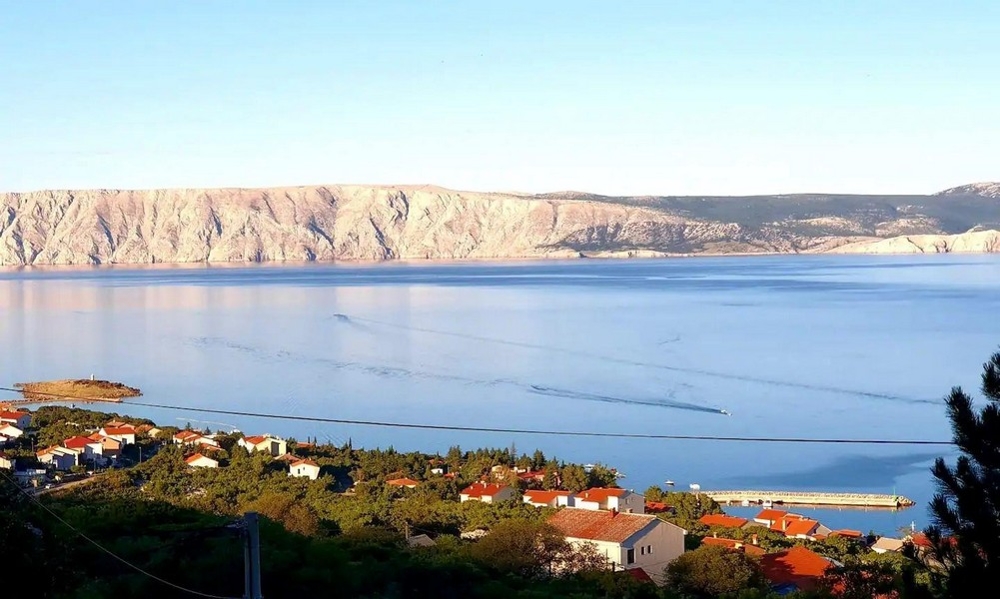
[{"x": 845, "y": 347}]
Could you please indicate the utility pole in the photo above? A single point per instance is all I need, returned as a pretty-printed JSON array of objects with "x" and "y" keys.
[{"x": 251, "y": 557}]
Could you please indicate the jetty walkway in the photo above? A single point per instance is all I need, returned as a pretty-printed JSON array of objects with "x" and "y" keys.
[{"x": 808, "y": 498}]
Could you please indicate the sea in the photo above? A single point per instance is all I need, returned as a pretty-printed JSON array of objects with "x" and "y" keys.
[{"x": 767, "y": 347}]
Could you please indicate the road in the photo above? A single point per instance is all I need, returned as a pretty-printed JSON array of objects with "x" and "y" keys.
[{"x": 64, "y": 486}]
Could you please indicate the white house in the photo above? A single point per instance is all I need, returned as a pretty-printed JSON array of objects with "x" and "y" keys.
[
  {"x": 621, "y": 500},
  {"x": 200, "y": 461},
  {"x": 124, "y": 434},
  {"x": 486, "y": 492},
  {"x": 10, "y": 431},
  {"x": 6, "y": 461},
  {"x": 628, "y": 541},
  {"x": 548, "y": 498},
  {"x": 265, "y": 443},
  {"x": 21, "y": 420},
  {"x": 153, "y": 432},
  {"x": 887, "y": 544},
  {"x": 60, "y": 458},
  {"x": 305, "y": 468},
  {"x": 91, "y": 450}
]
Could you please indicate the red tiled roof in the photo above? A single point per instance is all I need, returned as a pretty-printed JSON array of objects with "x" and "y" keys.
[
  {"x": 195, "y": 457},
  {"x": 722, "y": 520},
  {"x": 596, "y": 525},
  {"x": 305, "y": 462},
  {"x": 119, "y": 431},
  {"x": 798, "y": 566},
  {"x": 78, "y": 442},
  {"x": 600, "y": 494},
  {"x": 403, "y": 482},
  {"x": 748, "y": 548},
  {"x": 655, "y": 507},
  {"x": 800, "y": 527},
  {"x": 850, "y": 534},
  {"x": 639, "y": 574},
  {"x": 532, "y": 474},
  {"x": 482, "y": 489},
  {"x": 14, "y": 414},
  {"x": 770, "y": 515},
  {"x": 255, "y": 440},
  {"x": 537, "y": 496}
]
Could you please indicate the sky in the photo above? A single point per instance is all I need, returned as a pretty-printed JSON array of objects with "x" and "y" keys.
[{"x": 622, "y": 98}]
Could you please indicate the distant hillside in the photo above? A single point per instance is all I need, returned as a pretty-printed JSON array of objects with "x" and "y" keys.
[{"x": 422, "y": 222}]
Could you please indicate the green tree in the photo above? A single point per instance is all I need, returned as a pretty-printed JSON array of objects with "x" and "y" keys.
[
  {"x": 966, "y": 534},
  {"x": 538, "y": 460},
  {"x": 523, "y": 548},
  {"x": 712, "y": 571},
  {"x": 574, "y": 478}
]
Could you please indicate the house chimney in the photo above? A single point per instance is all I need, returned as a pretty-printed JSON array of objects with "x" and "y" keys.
[
  {"x": 614, "y": 512},
  {"x": 753, "y": 539}
]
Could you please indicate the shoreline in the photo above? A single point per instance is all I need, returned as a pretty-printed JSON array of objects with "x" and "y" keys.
[{"x": 646, "y": 255}]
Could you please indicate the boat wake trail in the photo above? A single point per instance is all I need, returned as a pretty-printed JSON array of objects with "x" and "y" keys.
[
  {"x": 666, "y": 367},
  {"x": 395, "y": 372},
  {"x": 582, "y": 396}
]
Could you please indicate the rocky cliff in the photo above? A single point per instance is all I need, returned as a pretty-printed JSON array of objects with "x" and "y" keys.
[{"x": 422, "y": 222}]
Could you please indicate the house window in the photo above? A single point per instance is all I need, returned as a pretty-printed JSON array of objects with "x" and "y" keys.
[
  {"x": 630, "y": 556},
  {"x": 649, "y": 549},
  {"x": 642, "y": 551}
]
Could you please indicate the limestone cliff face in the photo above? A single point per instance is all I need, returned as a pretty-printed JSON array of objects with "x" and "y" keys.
[
  {"x": 408, "y": 222},
  {"x": 972, "y": 242}
]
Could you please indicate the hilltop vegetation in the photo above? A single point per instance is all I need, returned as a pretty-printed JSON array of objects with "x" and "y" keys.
[{"x": 345, "y": 534}]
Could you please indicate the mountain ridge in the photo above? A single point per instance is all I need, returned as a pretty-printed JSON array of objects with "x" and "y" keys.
[{"x": 423, "y": 221}]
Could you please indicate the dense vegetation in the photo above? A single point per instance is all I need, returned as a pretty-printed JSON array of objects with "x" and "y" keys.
[{"x": 345, "y": 534}]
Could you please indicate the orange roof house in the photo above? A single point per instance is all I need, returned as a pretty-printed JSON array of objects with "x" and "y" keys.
[
  {"x": 407, "y": 482},
  {"x": 800, "y": 528},
  {"x": 723, "y": 520},
  {"x": 769, "y": 517},
  {"x": 540, "y": 498},
  {"x": 626, "y": 540},
  {"x": 797, "y": 568},
  {"x": 486, "y": 492},
  {"x": 200, "y": 461},
  {"x": 601, "y": 498}
]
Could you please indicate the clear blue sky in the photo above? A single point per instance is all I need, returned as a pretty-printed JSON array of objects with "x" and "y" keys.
[{"x": 693, "y": 97}]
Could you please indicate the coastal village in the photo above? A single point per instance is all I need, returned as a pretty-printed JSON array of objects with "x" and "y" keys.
[{"x": 628, "y": 531}]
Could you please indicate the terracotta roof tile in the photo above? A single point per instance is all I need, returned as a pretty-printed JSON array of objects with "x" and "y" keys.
[
  {"x": 770, "y": 515},
  {"x": 305, "y": 462},
  {"x": 119, "y": 430},
  {"x": 255, "y": 440},
  {"x": 402, "y": 482},
  {"x": 482, "y": 489},
  {"x": 850, "y": 534},
  {"x": 722, "y": 520},
  {"x": 639, "y": 574},
  {"x": 78, "y": 442},
  {"x": 798, "y": 566},
  {"x": 600, "y": 494},
  {"x": 600, "y": 525},
  {"x": 800, "y": 527}
]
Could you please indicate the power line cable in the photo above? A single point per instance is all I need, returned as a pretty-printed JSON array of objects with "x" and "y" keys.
[
  {"x": 514, "y": 431},
  {"x": 172, "y": 585}
]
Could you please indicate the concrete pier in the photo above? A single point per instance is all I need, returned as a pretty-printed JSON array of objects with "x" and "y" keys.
[{"x": 809, "y": 498}]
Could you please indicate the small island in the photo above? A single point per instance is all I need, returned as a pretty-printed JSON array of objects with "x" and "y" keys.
[{"x": 77, "y": 389}]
